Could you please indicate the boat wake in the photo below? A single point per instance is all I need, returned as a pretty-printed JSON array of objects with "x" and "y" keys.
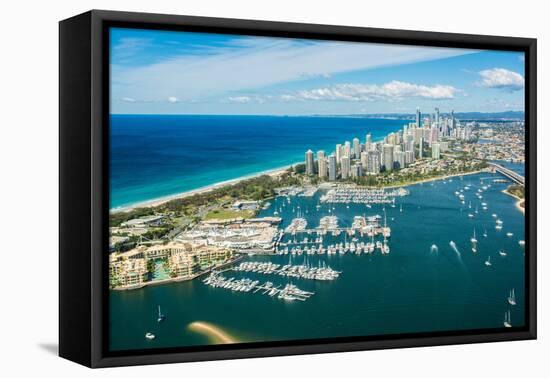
[
  {"x": 214, "y": 333},
  {"x": 453, "y": 246}
]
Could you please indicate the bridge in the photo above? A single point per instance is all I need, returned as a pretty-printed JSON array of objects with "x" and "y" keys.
[{"x": 508, "y": 173}]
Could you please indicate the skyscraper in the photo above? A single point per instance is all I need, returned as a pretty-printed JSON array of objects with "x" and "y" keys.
[
  {"x": 356, "y": 170},
  {"x": 436, "y": 153},
  {"x": 434, "y": 134},
  {"x": 421, "y": 148},
  {"x": 399, "y": 159},
  {"x": 338, "y": 153},
  {"x": 437, "y": 117},
  {"x": 387, "y": 157},
  {"x": 364, "y": 159},
  {"x": 347, "y": 149},
  {"x": 322, "y": 163},
  {"x": 309, "y": 162},
  {"x": 346, "y": 167},
  {"x": 332, "y": 167},
  {"x": 409, "y": 157},
  {"x": 368, "y": 142},
  {"x": 356, "y": 148},
  {"x": 418, "y": 116},
  {"x": 373, "y": 163}
]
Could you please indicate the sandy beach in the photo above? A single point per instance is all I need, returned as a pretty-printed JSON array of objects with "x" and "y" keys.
[
  {"x": 159, "y": 201},
  {"x": 519, "y": 201}
]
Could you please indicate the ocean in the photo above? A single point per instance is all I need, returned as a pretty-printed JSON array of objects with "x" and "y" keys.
[
  {"x": 413, "y": 289},
  {"x": 154, "y": 156}
]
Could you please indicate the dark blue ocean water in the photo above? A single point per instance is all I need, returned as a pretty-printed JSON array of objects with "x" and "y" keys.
[{"x": 154, "y": 156}]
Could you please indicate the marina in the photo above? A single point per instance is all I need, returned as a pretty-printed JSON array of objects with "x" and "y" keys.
[
  {"x": 368, "y": 281},
  {"x": 289, "y": 292},
  {"x": 320, "y": 273}
]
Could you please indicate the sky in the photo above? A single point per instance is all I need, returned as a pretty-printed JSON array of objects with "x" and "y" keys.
[{"x": 174, "y": 72}]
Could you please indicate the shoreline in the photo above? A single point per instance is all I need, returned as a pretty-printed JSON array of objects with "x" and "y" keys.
[
  {"x": 518, "y": 202},
  {"x": 437, "y": 178},
  {"x": 270, "y": 172},
  {"x": 205, "y": 189}
]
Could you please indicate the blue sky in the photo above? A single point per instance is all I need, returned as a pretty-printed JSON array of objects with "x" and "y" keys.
[{"x": 164, "y": 72}]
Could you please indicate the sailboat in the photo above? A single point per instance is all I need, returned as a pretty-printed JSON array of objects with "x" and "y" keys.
[
  {"x": 512, "y": 297},
  {"x": 488, "y": 262},
  {"x": 507, "y": 321},
  {"x": 473, "y": 239},
  {"x": 161, "y": 317}
]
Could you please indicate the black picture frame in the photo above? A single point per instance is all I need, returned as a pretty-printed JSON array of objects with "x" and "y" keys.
[{"x": 83, "y": 181}]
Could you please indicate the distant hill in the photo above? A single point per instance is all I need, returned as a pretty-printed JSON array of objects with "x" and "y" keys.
[{"x": 508, "y": 115}]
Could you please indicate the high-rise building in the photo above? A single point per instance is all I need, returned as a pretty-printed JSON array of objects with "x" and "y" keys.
[
  {"x": 387, "y": 157},
  {"x": 368, "y": 142},
  {"x": 436, "y": 153},
  {"x": 399, "y": 159},
  {"x": 322, "y": 164},
  {"x": 357, "y": 170},
  {"x": 409, "y": 157},
  {"x": 390, "y": 138},
  {"x": 332, "y": 167},
  {"x": 437, "y": 117},
  {"x": 347, "y": 149},
  {"x": 434, "y": 135},
  {"x": 338, "y": 153},
  {"x": 309, "y": 162},
  {"x": 345, "y": 167},
  {"x": 421, "y": 148},
  {"x": 418, "y": 117},
  {"x": 453, "y": 119},
  {"x": 364, "y": 159},
  {"x": 373, "y": 163},
  {"x": 356, "y": 148}
]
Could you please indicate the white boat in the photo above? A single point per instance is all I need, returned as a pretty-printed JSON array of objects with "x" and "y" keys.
[
  {"x": 494, "y": 215},
  {"x": 485, "y": 233},
  {"x": 473, "y": 239},
  {"x": 512, "y": 297},
  {"x": 488, "y": 262},
  {"x": 521, "y": 242},
  {"x": 498, "y": 227},
  {"x": 160, "y": 317},
  {"x": 507, "y": 321},
  {"x": 150, "y": 336},
  {"x": 509, "y": 234},
  {"x": 470, "y": 215},
  {"x": 502, "y": 253}
]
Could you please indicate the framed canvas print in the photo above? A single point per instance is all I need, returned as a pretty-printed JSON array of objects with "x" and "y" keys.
[{"x": 234, "y": 188}]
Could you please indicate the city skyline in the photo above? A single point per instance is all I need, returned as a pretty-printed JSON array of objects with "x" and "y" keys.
[{"x": 159, "y": 72}]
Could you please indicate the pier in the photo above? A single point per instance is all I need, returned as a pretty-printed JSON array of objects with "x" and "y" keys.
[
  {"x": 320, "y": 273},
  {"x": 289, "y": 292}
]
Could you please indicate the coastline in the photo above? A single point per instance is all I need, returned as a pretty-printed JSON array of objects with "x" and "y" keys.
[
  {"x": 437, "y": 178},
  {"x": 205, "y": 189},
  {"x": 270, "y": 172},
  {"x": 518, "y": 202}
]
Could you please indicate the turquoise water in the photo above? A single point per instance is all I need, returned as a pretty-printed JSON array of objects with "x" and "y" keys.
[
  {"x": 410, "y": 290},
  {"x": 153, "y": 156}
]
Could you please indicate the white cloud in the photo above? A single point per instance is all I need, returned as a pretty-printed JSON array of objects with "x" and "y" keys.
[
  {"x": 173, "y": 99},
  {"x": 391, "y": 91},
  {"x": 239, "y": 99},
  {"x": 502, "y": 78},
  {"x": 265, "y": 62}
]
